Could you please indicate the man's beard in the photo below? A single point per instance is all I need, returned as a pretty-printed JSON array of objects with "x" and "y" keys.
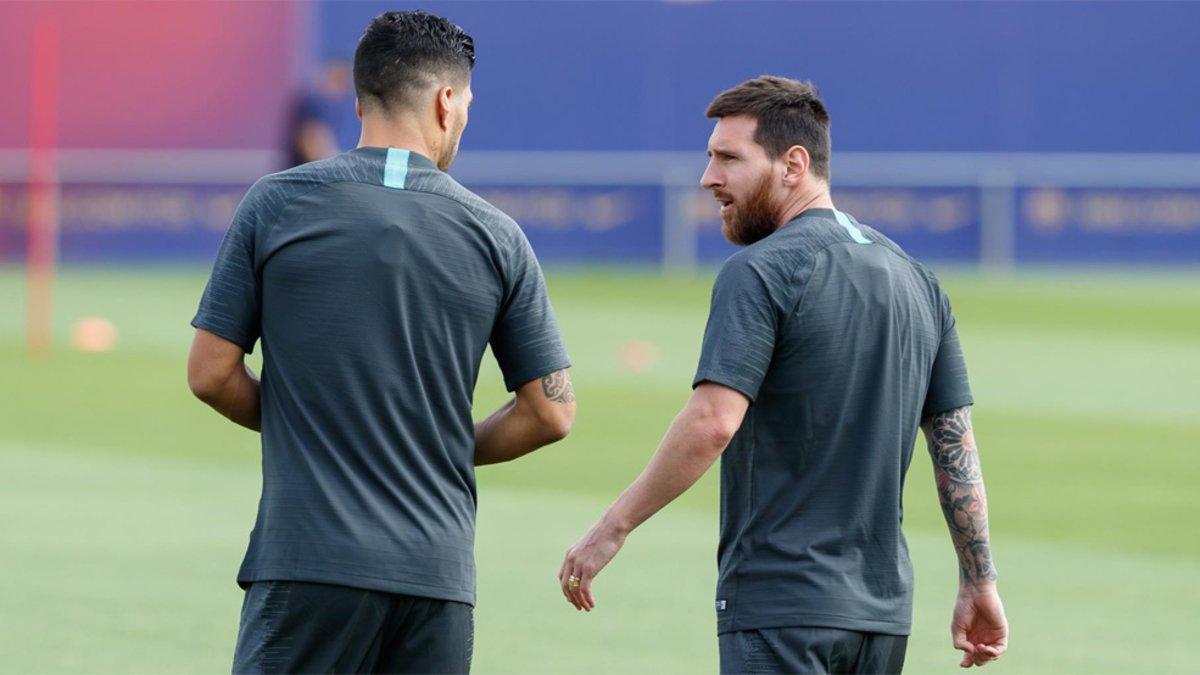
[
  {"x": 753, "y": 218},
  {"x": 446, "y": 156}
]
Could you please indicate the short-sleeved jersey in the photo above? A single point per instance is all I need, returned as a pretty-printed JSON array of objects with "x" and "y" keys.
[
  {"x": 375, "y": 282},
  {"x": 842, "y": 343}
]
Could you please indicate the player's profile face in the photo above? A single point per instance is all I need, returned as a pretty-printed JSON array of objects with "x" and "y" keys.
[{"x": 739, "y": 174}]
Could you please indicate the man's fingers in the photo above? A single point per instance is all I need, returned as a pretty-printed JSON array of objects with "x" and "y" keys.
[
  {"x": 572, "y": 587},
  {"x": 985, "y": 653},
  {"x": 961, "y": 642},
  {"x": 585, "y": 590},
  {"x": 573, "y": 590},
  {"x": 564, "y": 580},
  {"x": 562, "y": 583}
]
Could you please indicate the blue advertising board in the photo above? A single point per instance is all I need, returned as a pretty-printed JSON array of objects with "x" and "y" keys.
[
  {"x": 613, "y": 223},
  {"x": 626, "y": 223},
  {"x": 125, "y": 223},
  {"x": 1108, "y": 225}
]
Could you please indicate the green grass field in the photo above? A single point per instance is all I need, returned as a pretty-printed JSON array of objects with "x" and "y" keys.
[{"x": 125, "y": 504}]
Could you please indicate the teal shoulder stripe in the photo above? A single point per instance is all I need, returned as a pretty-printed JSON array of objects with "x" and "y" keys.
[
  {"x": 851, "y": 229},
  {"x": 395, "y": 171}
]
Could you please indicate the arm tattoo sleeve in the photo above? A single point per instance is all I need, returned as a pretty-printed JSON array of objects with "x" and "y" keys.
[
  {"x": 557, "y": 387},
  {"x": 960, "y": 490}
]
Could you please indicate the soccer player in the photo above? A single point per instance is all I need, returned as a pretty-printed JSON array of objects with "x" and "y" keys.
[
  {"x": 826, "y": 347},
  {"x": 375, "y": 282}
]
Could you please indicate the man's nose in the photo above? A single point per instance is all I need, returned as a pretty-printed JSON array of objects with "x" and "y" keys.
[{"x": 709, "y": 180}]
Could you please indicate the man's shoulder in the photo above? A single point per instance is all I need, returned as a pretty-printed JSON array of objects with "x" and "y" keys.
[
  {"x": 273, "y": 192},
  {"x": 440, "y": 183},
  {"x": 902, "y": 256},
  {"x": 767, "y": 263},
  {"x": 822, "y": 231},
  {"x": 781, "y": 253}
]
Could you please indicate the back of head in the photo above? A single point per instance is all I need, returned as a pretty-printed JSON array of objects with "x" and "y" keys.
[
  {"x": 402, "y": 54},
  {"x": 789, "y": 113}
]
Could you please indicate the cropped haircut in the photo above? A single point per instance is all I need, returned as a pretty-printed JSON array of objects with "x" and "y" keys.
[
  {"x": 402, "y": 53},
  {"x": 789, "y": 112}
]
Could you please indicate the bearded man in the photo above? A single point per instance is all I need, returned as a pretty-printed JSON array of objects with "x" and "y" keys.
[{"x": 826, "y": 347}]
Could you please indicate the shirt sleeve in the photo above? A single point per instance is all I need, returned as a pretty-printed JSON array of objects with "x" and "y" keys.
[
  {"x": 231, "y": 304},
  {"x": 525, "y": 338},
  {"x": 948, "y": 387},
  {"x": 739, "y": 339}
]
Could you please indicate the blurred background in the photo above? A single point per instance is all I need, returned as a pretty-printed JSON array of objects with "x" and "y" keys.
[{"x": 1043, "y": 158}]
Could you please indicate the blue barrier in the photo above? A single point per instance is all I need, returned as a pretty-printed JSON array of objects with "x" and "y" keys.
[{"x": 652, "y": 217}]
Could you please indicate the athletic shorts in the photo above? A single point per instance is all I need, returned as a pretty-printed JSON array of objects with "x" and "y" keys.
[
  {"x": 809, "y": 649},
  {"x": 298, "y": 627}
]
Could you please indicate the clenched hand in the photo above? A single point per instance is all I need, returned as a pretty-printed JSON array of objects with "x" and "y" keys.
[{"x": 979, "y": 627}]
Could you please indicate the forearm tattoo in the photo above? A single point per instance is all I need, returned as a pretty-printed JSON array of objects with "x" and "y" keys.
[
  {"x": 557, "y": 387},
  {"x": 960, "y": 490}
]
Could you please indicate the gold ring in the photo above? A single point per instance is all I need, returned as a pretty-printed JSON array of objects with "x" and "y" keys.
[{"x": 573, "y": 581}]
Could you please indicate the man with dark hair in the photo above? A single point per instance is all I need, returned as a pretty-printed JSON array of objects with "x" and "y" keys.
[
  {"x": 826, "y": 347},
  {"x": 375, "y": 282}
]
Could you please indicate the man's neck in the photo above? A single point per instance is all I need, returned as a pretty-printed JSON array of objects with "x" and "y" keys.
[
  {"x": 818, "y": 199},
  {"x": 392, "y": 135}
]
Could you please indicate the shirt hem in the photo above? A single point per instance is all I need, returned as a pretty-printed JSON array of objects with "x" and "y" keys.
[
  {"x": 222, "y": 330},
  {"x": 862, "y": 625},
  {"x": 939, "y": 407},
  {"x": 724, "y": 380},
  {"x": 528, "y": 375},
  {"x": 394, "y": 586}
]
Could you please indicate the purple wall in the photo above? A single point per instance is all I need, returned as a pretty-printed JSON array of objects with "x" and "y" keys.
[{"x": 157, "y": 75}]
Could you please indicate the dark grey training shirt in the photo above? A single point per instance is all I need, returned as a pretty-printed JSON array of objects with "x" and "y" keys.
[
  {"x": 842, "y": 343},
  {"x": 375, "y": 283}
]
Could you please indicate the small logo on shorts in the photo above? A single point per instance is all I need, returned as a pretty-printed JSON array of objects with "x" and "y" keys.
[{"x": 720, "y": 605}]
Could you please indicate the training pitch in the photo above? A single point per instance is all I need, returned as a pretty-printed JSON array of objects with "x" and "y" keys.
[{"x": 125, "y": 505}]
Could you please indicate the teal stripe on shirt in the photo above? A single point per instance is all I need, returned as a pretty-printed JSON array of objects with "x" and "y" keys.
[
  {"x": 395, "y": 171},
  {"x": 851, "y": 229}
]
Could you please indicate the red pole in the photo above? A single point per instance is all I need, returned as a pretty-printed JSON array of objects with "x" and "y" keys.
[{"x": 42, "y": 232}]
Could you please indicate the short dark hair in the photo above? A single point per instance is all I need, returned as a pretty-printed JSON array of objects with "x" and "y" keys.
[
  {"x": 401, "y": 53},
  {"x": 789, "y": 112}
]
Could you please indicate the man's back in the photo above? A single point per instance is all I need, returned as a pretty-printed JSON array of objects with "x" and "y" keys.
[
  {"x": 848, "y": 329},
  {"x": 379, "y": 282}
]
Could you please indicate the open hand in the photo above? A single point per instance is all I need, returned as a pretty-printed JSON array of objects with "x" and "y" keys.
[
  {"x": 584, "y": 561},
  {"x": 979, "y": 627}
]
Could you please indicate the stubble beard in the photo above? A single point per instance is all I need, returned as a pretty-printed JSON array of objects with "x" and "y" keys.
[
  {"x": 448, "y": 153},
  {"x": 753, "y": 219}
]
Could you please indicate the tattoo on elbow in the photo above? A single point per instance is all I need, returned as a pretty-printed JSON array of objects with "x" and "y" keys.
[
  {"x": 557, "y": 387},
  {"x": 952, "y": 445}
]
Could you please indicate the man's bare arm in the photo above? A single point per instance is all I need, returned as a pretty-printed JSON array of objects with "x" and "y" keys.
[
  {"x": 219, "y": 376},
  {"x": 979, "y": 627},
  {"x": 541, "y": 413},
  {"x": 695, "y": 440}
]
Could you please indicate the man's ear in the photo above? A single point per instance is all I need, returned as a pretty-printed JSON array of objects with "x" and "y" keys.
[
  {"x": 796, "y": 162},
  {"x": 358, "y": 108},
  {"x": 443, "y": 107}
]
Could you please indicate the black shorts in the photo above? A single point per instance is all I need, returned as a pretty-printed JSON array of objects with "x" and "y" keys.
[
  {"x": 810, "y": 649},
  {"x": 298, "y": 627}
]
